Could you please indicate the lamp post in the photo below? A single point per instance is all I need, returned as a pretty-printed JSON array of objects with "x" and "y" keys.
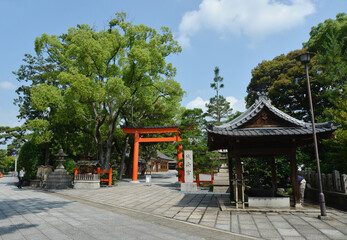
[{"x": 305, "y": 58}]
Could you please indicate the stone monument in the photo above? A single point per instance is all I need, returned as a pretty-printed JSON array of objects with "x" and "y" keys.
[
  {"x": 344, "y": 183},
  {"x": 41, "y": 176},
  {"x": 59, "y": 179},
  {"x": 188, "y": 185}
]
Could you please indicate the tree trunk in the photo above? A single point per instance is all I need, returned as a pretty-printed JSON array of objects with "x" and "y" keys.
[
  {"x": 121, "y": 172},
  {"x": 47, "y": 154},
  {"x": 100, "y": 154},
  {"x": 130, "y": 165}
]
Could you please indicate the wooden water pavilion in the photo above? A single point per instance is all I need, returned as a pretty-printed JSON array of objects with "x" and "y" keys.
[{"x": 265, "y": 131}]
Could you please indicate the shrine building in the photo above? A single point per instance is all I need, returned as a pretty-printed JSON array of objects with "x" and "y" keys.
[{"x": 265, "y": 131}]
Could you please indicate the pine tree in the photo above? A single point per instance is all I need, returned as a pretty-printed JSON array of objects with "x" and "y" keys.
[{"x": 218, "y": 107}]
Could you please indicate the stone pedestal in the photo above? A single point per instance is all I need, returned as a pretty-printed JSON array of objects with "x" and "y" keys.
[
  {"x": 59, "y": 179},
  {"x": 189, "y": 187},
  {"x": 221, "y": 180},
  {"x": 36, "y": 183}
]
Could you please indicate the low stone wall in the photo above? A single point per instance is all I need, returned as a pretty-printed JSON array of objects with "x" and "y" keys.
[
  {"x": 269, "y": 202},
  {"x": 83, "y": 184},
  {"x": 332, "y": 199}
]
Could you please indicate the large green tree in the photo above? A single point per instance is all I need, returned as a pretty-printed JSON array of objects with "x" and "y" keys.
[
  {"x": 97, "y": 76},
  {"x": 218, "y": 107},
  {"x": 328, "y": 41},
  {"x": 284, "y": 79}
]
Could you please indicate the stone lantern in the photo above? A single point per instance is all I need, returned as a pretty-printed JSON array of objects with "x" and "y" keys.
[
  {"x": 59, "y": 179},
  {"x": 61, "y": 155}
]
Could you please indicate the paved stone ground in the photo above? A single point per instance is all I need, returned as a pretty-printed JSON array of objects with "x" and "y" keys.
[
  {"x": 159, "y": 204},
  {"x": 31, "y": 214},
  {"x": 163, "y": 198}
]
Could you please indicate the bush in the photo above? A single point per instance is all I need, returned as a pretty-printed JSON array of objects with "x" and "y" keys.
[
  {"x": 69, "y": 166},
  {"x": 114, "y": 176},
  {"x": 30, "y": 157}
]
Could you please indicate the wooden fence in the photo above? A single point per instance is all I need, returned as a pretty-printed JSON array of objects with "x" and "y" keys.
[{"x": 198, "y": 181}]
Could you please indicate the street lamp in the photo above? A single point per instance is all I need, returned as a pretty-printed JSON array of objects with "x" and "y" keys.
[{"x": 305, "y": 58}]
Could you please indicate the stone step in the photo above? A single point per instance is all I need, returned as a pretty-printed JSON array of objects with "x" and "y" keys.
[
  {"x": 220, "y": 189},
  {"x": 222, "y": 182}
]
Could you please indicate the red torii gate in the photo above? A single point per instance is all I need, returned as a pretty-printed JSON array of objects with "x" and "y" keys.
[{"x": 148, "y": 130}]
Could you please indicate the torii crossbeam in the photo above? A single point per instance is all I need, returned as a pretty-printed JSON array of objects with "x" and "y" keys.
[{"x": 150, "y": 130}]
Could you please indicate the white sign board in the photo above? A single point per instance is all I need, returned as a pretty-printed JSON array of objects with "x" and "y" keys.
[{"x": 188, "y": 166}]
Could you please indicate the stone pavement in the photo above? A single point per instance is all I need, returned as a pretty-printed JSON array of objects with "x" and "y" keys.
[
  {"x": 164, "y": 205},
  {"x": 31, "y": 214},
  {"x": 163, "y": 198}
]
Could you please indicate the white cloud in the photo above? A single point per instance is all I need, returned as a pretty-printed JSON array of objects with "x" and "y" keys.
[
  {"x": 197, "y": 103},
  {"x": 235, "y": 104},
  {"x": 7, "y": 85},
  {"x": 253, "y": 18},
  {"x": 9, "y": 118}
]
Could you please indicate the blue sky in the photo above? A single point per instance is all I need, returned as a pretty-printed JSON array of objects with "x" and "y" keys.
[{"x": 235, "y": 35}]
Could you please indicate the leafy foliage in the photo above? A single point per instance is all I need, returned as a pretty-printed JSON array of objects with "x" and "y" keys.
[
  {"x": 284, "y": 79},
  {"x": 30, "y": 156},
  {"x": 14, "y": 137},
  {"x": 259, "y": 173},
  {"x": 69, "y": 166},
  {"x": 83, "y": 82},
  {"x": 114, "y": 176},
  {"x": 194, "y": 138},
  {"x": 6, "y": 162}
]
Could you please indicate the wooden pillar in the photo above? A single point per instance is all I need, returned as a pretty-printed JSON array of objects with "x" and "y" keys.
[
  {"x": 274, "y": 174},
  {"x": 179, "y": 157},
  {"x": 136, "y": 156},
  {"x": 231, "y": 175},
  {"x": 239, "y": 176},
  {"x": 179, "y": 148},
  {"x": 110, "y": 177},
  {"x": 294, "y": 177}
]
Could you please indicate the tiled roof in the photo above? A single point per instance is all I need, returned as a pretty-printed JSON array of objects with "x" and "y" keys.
[
  {"x": 233, "y": 128},
  {"x": 87, "y": 163},
  {"x": 163, "y": 156},
  {"x": 274, "y": 131},
  {"x": 170, "y": 126}
]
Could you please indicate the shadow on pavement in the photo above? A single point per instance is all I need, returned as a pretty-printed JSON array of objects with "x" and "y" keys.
[
  {"x": 10, "y": 208},
  {"x": 198, "y": 200},
  {"x": 168, "y": 185},
  {"x": 12, "y": 228}
]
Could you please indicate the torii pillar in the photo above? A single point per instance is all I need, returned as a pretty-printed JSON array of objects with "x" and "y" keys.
[{"x": 150, "y": 130}]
